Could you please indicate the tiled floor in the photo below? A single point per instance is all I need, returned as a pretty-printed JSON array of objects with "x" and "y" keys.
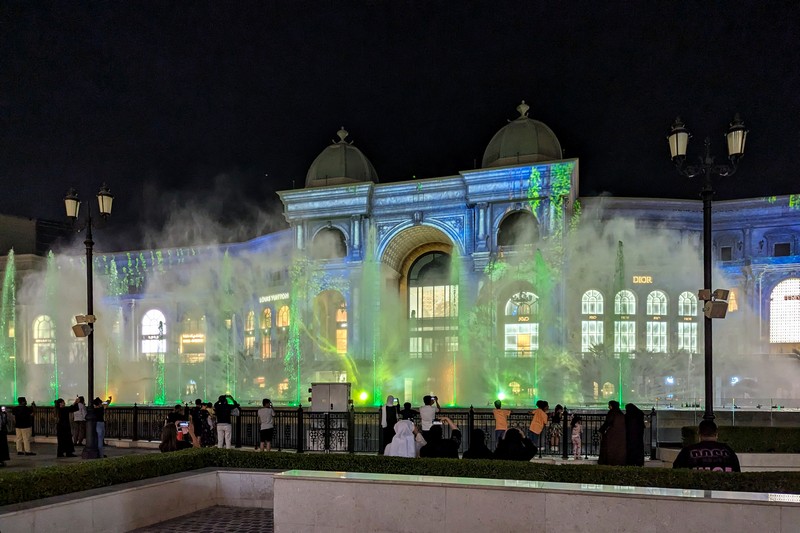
[{"x": 217, "y": 520}]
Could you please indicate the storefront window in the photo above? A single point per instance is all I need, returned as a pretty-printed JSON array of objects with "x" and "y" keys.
[{"x": 44, "y": 340}]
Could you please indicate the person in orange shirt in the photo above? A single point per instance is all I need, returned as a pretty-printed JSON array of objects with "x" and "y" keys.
[
  {"x": 500, "y": 420},
  {"x": 538, "y": 422}
]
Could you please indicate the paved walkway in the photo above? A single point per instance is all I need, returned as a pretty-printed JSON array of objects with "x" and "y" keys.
[
  {"x": 217, "y": 520},
  {"x": 46, "y": 456}
]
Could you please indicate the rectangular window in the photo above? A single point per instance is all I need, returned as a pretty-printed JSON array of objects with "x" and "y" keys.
[
  {"x": 193, "y": 347},
  {"x": 591, "y": 334},
  {"x": 266, "y": 347},
  {"x": 657, "y": 337},
  {"x": 624, "y": 336},
  {"x": 341, "y": 341},
  {"x": 782, "y": 249},
  {"x": 687, "y": 336},
  {"x": 521, "y": 339},
  {"x": 250, "y": 345},
  {"x": 725, "y": 253}
]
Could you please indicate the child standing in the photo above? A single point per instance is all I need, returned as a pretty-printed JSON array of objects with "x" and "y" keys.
[
  {"x": 576, "y": 436},
  {"x": 500, "y": 420}
]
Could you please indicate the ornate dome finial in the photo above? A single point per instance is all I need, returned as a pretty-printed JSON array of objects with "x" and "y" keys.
[
  {"x": 523, "y": 109},
  {"x": 342, "y": 133}
]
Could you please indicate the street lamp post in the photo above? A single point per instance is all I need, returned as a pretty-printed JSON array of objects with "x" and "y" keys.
[
  {"x": 85, "y": 327},
  {"x": 678, "y": 141}
]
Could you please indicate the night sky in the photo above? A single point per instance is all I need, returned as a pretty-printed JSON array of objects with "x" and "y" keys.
[{"x": 213, "y": 106}]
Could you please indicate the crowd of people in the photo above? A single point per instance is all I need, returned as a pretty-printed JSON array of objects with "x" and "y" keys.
[{"x": 206, "y": 424}]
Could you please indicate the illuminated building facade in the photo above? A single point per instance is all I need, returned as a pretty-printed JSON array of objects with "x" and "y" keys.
[{"x": 494, "y": 281}]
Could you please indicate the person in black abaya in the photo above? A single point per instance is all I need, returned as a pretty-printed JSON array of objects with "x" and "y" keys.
[
  {"x": 612, "y": 446},
  {"x": 64, "y": 429},
  {"x": 4, "y": 455},
  {"x": 477, "y": 446},
  {"x": 634, "y": 435},
  {"x": 515, "y": 447}
]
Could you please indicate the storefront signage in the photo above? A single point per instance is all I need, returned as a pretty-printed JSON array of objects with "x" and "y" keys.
[
  {"x": 273, "y": 297},
  {"x": 643, "y": 280}
]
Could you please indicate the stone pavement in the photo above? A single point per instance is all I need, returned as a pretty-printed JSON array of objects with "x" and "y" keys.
[
  {"x": 217, "y": 520},
  {"x": 46, "y": 456}
]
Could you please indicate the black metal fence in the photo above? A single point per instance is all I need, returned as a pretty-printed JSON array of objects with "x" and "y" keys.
[{"x": 354, "y": 431}]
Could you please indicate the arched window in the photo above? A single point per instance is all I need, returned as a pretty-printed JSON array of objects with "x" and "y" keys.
[
  {"x": 784, "y": 312},
  {"x": 625, "y": 303},
  {"x": 328, "y": 243},
  {"x": 521, "y": 324},
  {"x": 624, "y": 328},
  {"x": 283, "y": 316},
  {"x": 266, "y": 333},
  {"x": 656, "y": 334},
  {"x": 687, "y": 304},
  {"x": 44, "y": 340},
  {"x": 432, "y": 307},
  {"x": 250, "y": 333},
  {"x": 154, "y": 335},
  {"x": 519, "y": 228},
  {"x": 592, "y": 323},
  {"x": 657, "y": 303},
  {"x": 687, "y": 325}
]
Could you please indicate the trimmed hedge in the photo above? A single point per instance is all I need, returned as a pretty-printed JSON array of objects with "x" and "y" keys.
[
  {"x": 751, "y": 439},
  {"x": 29, "y": 485}
]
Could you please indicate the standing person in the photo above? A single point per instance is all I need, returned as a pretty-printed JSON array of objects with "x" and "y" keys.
[
  {"x": 500, "y": 420},
  {"x": 577, "y": 427},
  {"x": 266, "y": 417},
  {"x": 390, "y": 414},
  {"x": 223, "y": 410},
  {"x": 207, "y": 431},
  {"x": 556, "y": 427},
  {"x": 634, "y": 435},
  {"x": 427, "y": 414},
  {"x": 408, "y": 413},
  {"x": 708, "y": 454},
  {"x": 65, "y": 448},
  {"x": 538, "y": 422},
  {"x": 100, "y": 416},
  {"x": 194, "y": 414},
  {"x": 612, "y": 446},
  {"x": 4, "y": 455},
  {"x": 79, "y": 422},
  {"x": 23, "y": 422}
]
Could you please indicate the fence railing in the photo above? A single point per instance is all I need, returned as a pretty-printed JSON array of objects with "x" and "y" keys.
[{"x": 354, "y": 431}]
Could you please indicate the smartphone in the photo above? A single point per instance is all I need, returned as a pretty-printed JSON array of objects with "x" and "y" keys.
[
  {"x": 4, "y": 408},
  {"x": 437, "y": 423},
  {"x": 183, "y": 424}
]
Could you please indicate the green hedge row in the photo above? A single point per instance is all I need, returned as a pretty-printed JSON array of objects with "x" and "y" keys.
[
  {"x": 29, "y": 485},
  {"x": 744, "y": 439}
]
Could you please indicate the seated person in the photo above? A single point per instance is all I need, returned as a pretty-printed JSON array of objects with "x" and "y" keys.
[
  {"x": 171, "y": 441},
  {"x": 408, "y": 413},
  {"x": 477, "y": 446},
  {"x": 437, "y": 446},
  {"x": 407, "y": 441},
  {"x": 515, "y": 447},
  {"x": 708, "y": 454}
]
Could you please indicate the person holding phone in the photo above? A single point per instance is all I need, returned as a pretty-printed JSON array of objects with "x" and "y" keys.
[
  {"x": 224, "y": 409},
  {"x": 66, "y": 448},
  {"x": 79, "y": 422},
  {"x": 266, "y": 420},
  {"x": 427, "y": 413}
]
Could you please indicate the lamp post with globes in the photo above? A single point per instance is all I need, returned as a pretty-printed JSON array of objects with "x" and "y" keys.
[
  {"x": 714, "y": 302},
  {"x": 85, "y": 326}
]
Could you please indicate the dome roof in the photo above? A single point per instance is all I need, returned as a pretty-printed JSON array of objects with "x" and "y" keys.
[
  {"x": 340, "y": 163},
  {"x": 523, "y": 140}
]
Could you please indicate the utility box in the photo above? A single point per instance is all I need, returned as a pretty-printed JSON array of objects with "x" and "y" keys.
[{"x": 330, "y": 397}]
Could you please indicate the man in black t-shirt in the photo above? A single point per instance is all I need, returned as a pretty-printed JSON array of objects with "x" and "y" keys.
[
  {"x": 708, "y": 454},
  {"x": 23, "y": 422}
]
